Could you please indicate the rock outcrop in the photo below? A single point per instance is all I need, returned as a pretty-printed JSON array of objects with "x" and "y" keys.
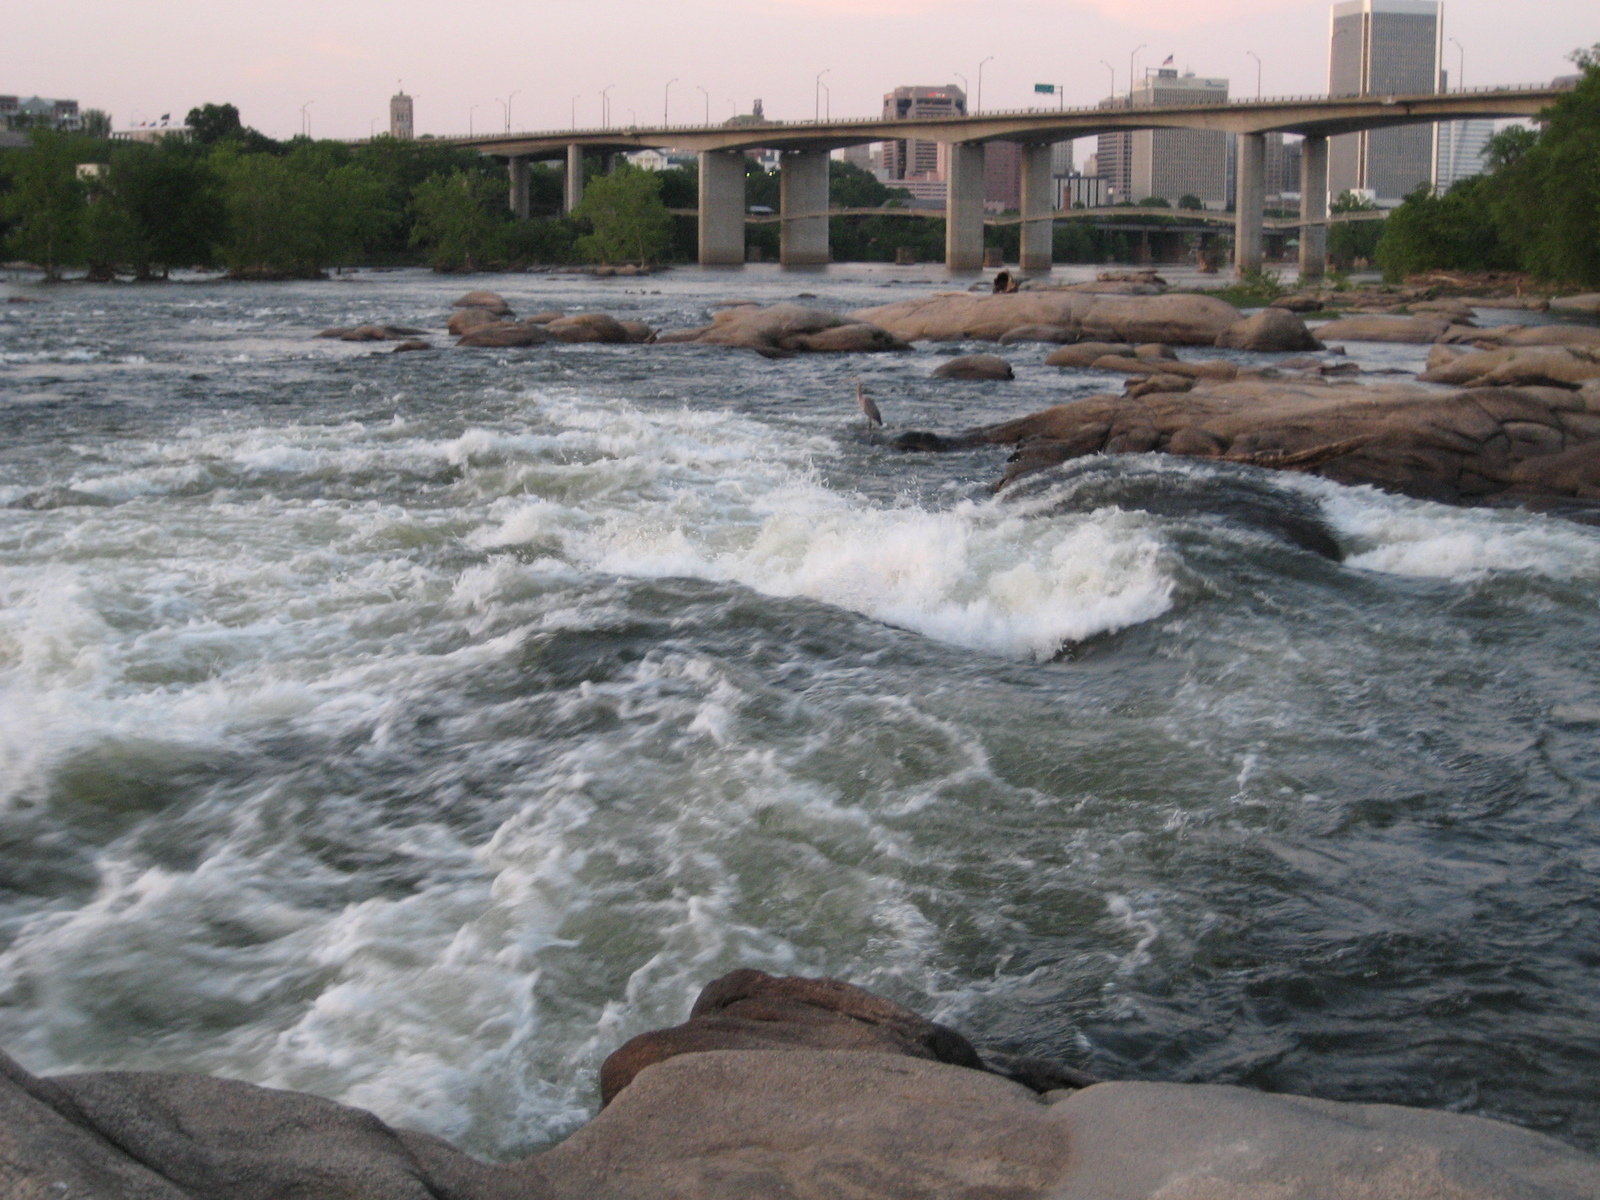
[
  {"x": 1534, "y": 444},
  {"x": 1588, "y": 304},
  {"x": 782, "y": 329},
  {"x": 491, "y": 302},
  {"x": 1587, "y": 336},
  {"x": 500, "y": 335},
  {"x": 465, "y": 320},
  {"x": 1270, "y": 330},
  {"x": 808, "y": 1089},
  {"x": 1179, "y": 319},
  {"x": 1383, "y": 328},
  {"x": 1513, "y": 366},
  {"x": 974, "y": 366}
]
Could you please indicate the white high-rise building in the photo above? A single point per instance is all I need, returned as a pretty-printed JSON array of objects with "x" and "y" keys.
[
  {"x": 1461, "y": 149},
  {"x": 1383, "y": 48}
]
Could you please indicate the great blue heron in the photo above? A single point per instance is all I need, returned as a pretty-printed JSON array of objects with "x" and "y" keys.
[{"x": 868, "y": 408}]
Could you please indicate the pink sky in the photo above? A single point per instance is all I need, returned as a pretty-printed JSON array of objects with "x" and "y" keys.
[{"x": 139, "y": 60}]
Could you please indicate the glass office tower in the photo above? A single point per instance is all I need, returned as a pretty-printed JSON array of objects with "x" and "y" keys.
[{"x": 1383, "y": 48}]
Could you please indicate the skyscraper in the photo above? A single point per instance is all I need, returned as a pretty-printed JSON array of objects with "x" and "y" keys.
[
  {"x": 1174, "y": 163},
  {"x": 918, "y": 158},
  {"x": 1461, "y": 148},
  {"x": 400, "y": 125},
  {"x": 1383, "y": 48}
]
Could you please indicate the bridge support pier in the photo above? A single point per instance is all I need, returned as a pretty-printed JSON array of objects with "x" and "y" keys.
[
  {"x": 963, "y": 208},
  {"x": 572, "y": 193},
  {"x": 803, "y": 206},
  {"x": 1313, "y": 207},
  {"x": 721, "y": 208},
  {"x": 1038, "y": 227},
  {"x": 518, "y": 168},
  {"x": 1250, "y": 200}
]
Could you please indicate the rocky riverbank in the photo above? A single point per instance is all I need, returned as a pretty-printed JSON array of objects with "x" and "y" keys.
[{"x": 803, "y": 1088}]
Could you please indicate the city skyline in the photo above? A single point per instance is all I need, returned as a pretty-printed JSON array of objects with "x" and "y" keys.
[{"x": 337, "y": 71}]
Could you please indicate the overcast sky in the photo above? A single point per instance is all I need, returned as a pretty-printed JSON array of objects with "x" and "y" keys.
[{"x": 344, "y": 58}]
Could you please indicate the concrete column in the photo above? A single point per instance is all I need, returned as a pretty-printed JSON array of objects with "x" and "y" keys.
[
  {"x": 573, "y": 192},
  {"x": 721, "y": 208},
  {"x": 1249, "y": 202},
  {"x": 518, "y": 166},
  {"x": 803, "y": 205},
  {"x": 1313, "y": 206},
  {"x": 963, "y": 208},
  {"x": 1038, "y": 200}
]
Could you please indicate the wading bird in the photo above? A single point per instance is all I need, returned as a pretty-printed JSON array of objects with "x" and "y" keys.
[{"x": 874, "y": 417}]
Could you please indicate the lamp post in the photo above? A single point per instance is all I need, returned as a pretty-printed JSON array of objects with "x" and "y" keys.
[
  {"x": 509, "y": 99},
  {"x": 707, "y": 95},
  {"x": 1131, "y": 57},
  {"x": 470, "y": 111},
  {"x": 575, "y": 100},
  {"x": 505, "y": 111},
  {"x": 980, "y": 82},
  {"x": 817, "y": 93},
  {"x": 666, "y": 99},
  {"x": 1112, "y": 71},
  {"x": 827, "y": 101},
  {"x": 1257, "y": 57},
  {"x": 1461, "y": 64},
  {"x": 605, "y": 106},
  {"x": 966, "y": 90},
  {"x": 305, "y": 119}
]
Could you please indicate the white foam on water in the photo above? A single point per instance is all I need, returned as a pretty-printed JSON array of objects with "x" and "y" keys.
[{"x": 1401, "y": 536}]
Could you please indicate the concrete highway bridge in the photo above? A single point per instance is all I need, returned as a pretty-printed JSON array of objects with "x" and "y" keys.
[{"x": 804, "y": 147}]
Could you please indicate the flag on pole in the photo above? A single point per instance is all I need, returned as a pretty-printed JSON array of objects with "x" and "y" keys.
[
  {"x": 1168, "y": 61},
  {"x": 1049, "y": 89}
]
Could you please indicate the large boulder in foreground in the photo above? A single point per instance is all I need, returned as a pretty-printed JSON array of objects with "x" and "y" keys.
[
  {"x": 1536, "y": 444},
  {"x": 1177, "y": 318},
  {"x": 781, "y": 329},
  {"x": 802, "y": 1088}
]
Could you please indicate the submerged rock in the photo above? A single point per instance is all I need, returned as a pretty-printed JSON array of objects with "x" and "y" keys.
[
  {"x": 588, "y": 327},
  {"x": 974, "y": 367},
  {"x": 371, "y": 333},
  {"x": 786, "y": 328},
  {"x": 58, "y": 497},
  {"x": 1587, "y": 304}
]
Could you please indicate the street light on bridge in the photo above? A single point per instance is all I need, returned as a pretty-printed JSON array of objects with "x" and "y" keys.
[
  {"x": 1112, "y": 71},
  {"x": 605, "y": 106},
  {"x": 1461, "y": 64},
  {"x": 817, "y": 93},
  {"x": 666, "y": 99},
  {"x": 575, "y": 100},
  {"x": 470, "y": 111},
  {"x": 980, "y": 82},
  {"x": 707, "y": 95},
  {"x": 1257, "y": 57},
  {"x": 1131, "y": 57}
]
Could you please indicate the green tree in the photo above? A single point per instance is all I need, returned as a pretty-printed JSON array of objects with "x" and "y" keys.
[
  {"x": 1190, "y": 202},
  {"x": 1455, "y": 231},
  {"x": 44, "y": 204},
  {"x": 450, "y": 216},
  {"x": 1547, "y": 191},
  {"x": 210, "y": 124},
  {"x": 96, "y": 123},
  {"x": 629, "y": 221},
  {"x": 851, "y": 187},
  {"x": 1350, "y": 241},
  {"x": 171, "y": 207},
  {"x": 297, "y": 214}
]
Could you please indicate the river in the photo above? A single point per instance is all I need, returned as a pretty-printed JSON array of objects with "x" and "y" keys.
[{"x": 413, "y": 729}]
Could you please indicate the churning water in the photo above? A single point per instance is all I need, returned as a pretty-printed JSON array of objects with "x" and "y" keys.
[{"x": 414, "y": 729}]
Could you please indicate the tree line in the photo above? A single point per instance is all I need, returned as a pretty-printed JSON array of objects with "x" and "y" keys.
[{"x": 1535, "y": 207}]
